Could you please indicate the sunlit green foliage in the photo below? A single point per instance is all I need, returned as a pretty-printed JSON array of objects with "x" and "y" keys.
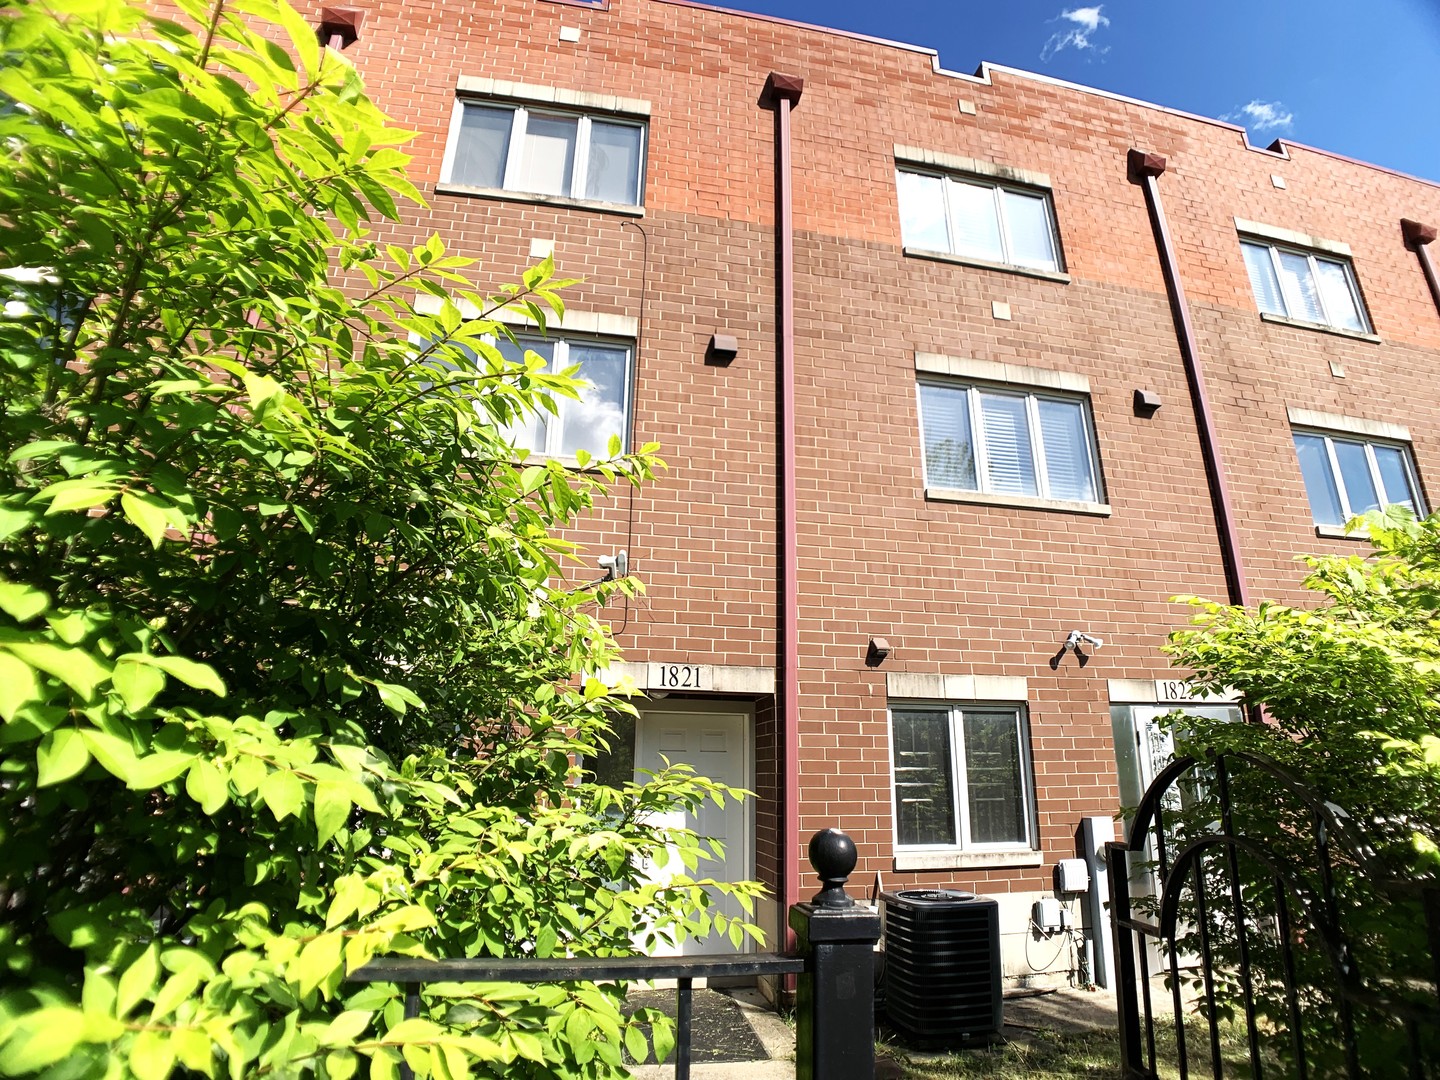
[
  {"x": 289, "y": 672},
  {"x": 1351, "y": 696}
]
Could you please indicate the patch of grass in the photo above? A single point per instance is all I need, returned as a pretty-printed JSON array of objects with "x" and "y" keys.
[{"x": 1053, "y": 1055}]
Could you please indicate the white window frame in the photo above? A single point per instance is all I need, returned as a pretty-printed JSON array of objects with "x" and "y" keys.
[
  {"x": 1037, "y": 441},
  {"x": 959, "y": 787},
  {"x": 520, "y": 117},
  {"x": 1338, "y": 478},
  {"x": 995, "y": 188},
  {"x": 1294, "y": 303}
]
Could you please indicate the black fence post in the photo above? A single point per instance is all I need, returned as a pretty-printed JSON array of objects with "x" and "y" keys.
[
  {"x": 835, "y": 995},
  {"x": 1127, "y": 1006}
]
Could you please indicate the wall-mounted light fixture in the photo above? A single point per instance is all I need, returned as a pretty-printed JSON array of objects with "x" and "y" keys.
[
  {"x": 878, "y": 650},
  {"x": 1146, "y": 402},
  {"x": 721, "y": 350}
]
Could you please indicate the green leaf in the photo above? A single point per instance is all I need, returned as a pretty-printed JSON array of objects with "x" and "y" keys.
[
  {"x": 341, "y": 1064},
  {"x": 61, "y": 755},
  {"x": 283, "y": 793},
  {"x": 83, "y": 497},
  {"x": 176, "y": 989},
  {"x": 153, "y": 770},
  {"x": 346, "y": 1028},
  {"x": 146, "y": 513},
  {"x": 22, "y": 602},
  {"x": 13, "y": 519},
  {"x": 137, "y": 683},
  {"x": 207, "y": 785},
  {"x": 191, "y": 673},
  {"x": 41, "y": 1038},
  {"x": 115, "y": 755},
  {"x": 332, "y": 808},
  {"x": 19, "y": 684},
  {"x": 152, "y": 1055},
  {"x": 76, "y": 668},
  {"x": 636, "y": 1044},
  {"x": 138, "y": 981}
]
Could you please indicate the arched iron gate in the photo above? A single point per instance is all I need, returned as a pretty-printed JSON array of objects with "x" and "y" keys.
[{"x": 1230, "y": 916}]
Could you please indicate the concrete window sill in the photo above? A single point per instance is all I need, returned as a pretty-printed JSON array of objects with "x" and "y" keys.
[
  {"x": 1324, "y": 328},
  {"x": 619, "y": 209},
  {"x": 1337, "y": 532},
  {"x": 966, "y": 860},
  {"x": 1021, "y": 502},
  {"x": 986, "y": 264}
]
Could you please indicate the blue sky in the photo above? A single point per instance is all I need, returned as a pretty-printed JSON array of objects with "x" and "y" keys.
[{"x": 1355, "y": 76}]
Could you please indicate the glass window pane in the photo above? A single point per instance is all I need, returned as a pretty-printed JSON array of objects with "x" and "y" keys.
[
  {"x": 1395, "y": 477},
  {"x": 527, "y": 432},
  {"x": 1339, "y": 299},
  {"x": 613, "y": 173},
  {"x": 1027, "y": 225},
  {"x": 922, "y": 212},
  {"x": 548, "y": 159},
  {"x": 972, "y": 213},
  {"x": 995, "y": 790},
  {"x": 1067, "y": 456},
  {"x": 924, "y": 793},
  {"x": 1301, "y": 296},
  {"x": 1263, "y": 279},
  {"x": 949, "y": 448},
  {"x": 1355, "y": 475},
  {"x": 1319, "y": 480},
  {"x": 1008, "y": 460},
  {"x": 483, "y": 146},
  {"x": 587, "y": 424}
]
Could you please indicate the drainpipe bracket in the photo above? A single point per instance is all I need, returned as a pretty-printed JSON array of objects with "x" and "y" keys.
[
  {"x": 1143, "y": 164},
  {"x": 1417, "y": 234},
  {"x": 781, "y": 87}
]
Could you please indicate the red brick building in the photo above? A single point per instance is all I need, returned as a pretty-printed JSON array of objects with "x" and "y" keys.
[{"x": 943, "y": 372}]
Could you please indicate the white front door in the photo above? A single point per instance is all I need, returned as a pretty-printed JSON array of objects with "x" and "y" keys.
[{"x": 716, "y": 744}]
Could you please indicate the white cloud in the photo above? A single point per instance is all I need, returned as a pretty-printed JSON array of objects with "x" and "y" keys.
[
  {"x": 1260, "y": 116},
  {"x": 1084, "y": 22}
]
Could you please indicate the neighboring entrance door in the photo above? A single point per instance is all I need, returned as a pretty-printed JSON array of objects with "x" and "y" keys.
[{"x": 717, "y": 745}]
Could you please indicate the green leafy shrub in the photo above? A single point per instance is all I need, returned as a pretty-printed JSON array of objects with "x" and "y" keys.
[
  {"x": 289, "y": 672},
  {"x": 1351, "y": 697}
]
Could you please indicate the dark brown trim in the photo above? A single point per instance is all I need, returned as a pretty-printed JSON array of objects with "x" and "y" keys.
[
  {"x": 782, "y": 92},
  {"x": 1145, "y": 170},
  {"x": 1418, "y": 239}
]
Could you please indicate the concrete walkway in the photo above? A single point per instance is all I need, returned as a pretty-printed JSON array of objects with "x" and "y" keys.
[{"x": 1061, "y": 1010}]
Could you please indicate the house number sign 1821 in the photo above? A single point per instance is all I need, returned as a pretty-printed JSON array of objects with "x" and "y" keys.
[{"x": 679, "y": 677}]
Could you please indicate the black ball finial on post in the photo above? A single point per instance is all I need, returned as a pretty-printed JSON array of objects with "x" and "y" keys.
[{"x": 832, "y": 853}]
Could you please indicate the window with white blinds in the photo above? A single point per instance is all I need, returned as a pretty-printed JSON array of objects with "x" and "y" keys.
[
  {"x": 518, "y": 148},
  {"x": 977, "y": 219},
  {"x": 1007, "y": 442},
  {"x": 1304, "y": 286},
  {"x": 961, "y": 777}
]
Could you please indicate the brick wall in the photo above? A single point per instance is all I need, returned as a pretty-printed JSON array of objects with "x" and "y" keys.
[{"x": 955, "y": 588}]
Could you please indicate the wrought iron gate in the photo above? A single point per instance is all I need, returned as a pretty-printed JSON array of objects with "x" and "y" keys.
[{"x": 1325, "y": 965}]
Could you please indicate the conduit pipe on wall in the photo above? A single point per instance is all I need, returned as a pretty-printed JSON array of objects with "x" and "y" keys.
[
  {"x": 1418, "y": 238},
  {"x": 1145, "y": 170},
  {"x": 782, "y": 92}
]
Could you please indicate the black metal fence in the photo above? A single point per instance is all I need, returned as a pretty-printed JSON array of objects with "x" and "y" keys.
[
  {"x": 1275, "y": 926},
  {"x": 835, "y": 1000}
]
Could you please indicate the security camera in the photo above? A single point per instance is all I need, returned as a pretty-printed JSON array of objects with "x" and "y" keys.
[
  {"x": 1077, "y": 636},
  {"x": 616, "y": 566}
]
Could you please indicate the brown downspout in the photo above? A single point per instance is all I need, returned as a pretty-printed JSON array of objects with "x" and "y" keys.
[
  {"x": 782, "y": 92},
  {"x": 1145, "y": 170},
  {"x": 1418, "y": 237}
]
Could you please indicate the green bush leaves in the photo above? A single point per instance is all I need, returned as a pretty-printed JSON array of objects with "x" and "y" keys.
[{"x": 290, "y": 671}]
